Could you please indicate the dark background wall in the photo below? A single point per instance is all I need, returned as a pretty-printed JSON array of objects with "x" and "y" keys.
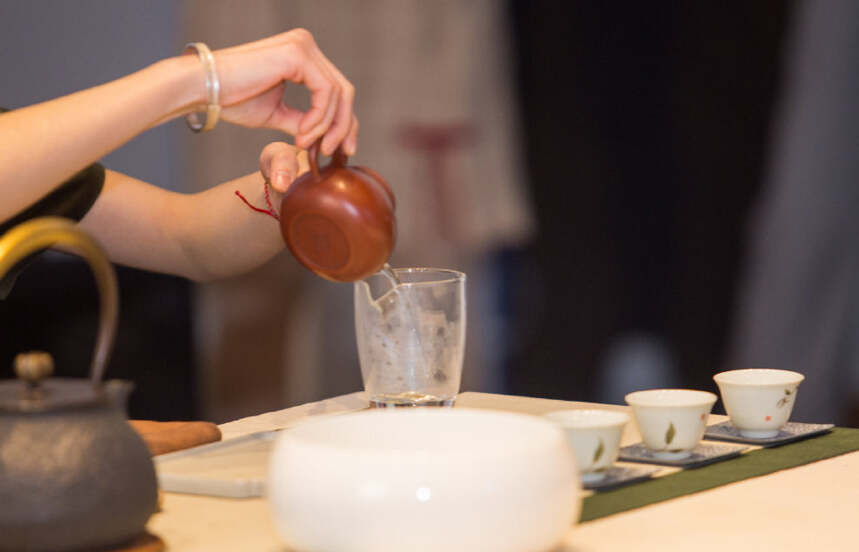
[{"x": 647, "y": 126}]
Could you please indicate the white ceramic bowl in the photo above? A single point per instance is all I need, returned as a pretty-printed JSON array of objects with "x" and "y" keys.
[
  {"x": 671, "y": 421},
  {"x": 594, "y": 436},
  {"x": 758, "y": 400},
  {"x": 424, "y": 480}
]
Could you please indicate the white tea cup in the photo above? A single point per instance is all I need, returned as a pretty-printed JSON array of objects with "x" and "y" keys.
[
  {"x": 671, "y": 421},
  {"x": 758, "y": 400},
  {"x": 594, "y": 437}
]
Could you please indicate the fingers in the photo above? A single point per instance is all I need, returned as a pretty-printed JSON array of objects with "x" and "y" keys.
[
  {"x": 332, "y": 99},
  {"x": 339, "y": 129},
  {"x": 285, "y": 118},
  {"x": 281, "y": 116},
  {"x": 351, "y": 143},
  {"x": 253, "y": 76},
  {"x": 324, "y": 100},
  {"x": 303, "y": 162},
  {"x": 279, "y": 164}
]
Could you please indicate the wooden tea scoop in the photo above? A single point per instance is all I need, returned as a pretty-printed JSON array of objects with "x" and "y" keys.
[{"x": 164, "y": 437}]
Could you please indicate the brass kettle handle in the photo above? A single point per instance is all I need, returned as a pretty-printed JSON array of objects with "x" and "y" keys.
[{"x": 46, "y": 232}]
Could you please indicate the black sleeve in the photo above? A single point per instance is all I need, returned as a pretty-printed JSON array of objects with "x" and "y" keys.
[{"x": 72, "y": 199}]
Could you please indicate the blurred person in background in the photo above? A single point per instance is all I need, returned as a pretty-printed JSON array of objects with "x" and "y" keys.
[
  {"x": 438, "y": 121},
  {"x": 799, "y": 309}
]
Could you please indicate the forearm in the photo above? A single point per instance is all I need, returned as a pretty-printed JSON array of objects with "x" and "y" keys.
[
  {"x": 203, "y": 236},
  {"x": 46, "y": 143},
  {"x": 221, "y": 236}
]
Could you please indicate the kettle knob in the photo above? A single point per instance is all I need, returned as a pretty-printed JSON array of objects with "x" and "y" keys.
[{"x": 33, "y": 367}]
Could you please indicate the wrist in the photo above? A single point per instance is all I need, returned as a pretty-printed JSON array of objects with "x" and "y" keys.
[{"x": 186, "y": 80}]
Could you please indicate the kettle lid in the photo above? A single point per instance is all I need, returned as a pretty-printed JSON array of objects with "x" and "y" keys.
[{"x": 35, "y": 391}]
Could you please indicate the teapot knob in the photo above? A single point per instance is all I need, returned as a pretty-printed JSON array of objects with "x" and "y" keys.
[{"x": 34, "y": 366}]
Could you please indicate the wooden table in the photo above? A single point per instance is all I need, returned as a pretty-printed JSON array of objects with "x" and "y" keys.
[{"x": 811, "y": 507}]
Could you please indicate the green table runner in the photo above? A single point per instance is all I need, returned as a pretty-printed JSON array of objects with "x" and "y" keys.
[{"x": 752, "y": 464}]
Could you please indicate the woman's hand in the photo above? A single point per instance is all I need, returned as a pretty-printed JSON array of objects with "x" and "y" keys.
[
  {"x": 280, "y": 164},
  {"x": 253, "y": 77}
]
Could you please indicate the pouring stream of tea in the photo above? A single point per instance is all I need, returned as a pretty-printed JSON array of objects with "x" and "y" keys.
[{"x": 392, "y": 276}]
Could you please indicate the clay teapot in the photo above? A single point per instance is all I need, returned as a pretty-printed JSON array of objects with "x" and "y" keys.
[
  {"x": 73, "y": 474},
  {"x": 338, "y": 221}
]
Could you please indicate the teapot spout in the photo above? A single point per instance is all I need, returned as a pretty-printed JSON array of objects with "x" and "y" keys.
[{"x": 117, "y": 392}]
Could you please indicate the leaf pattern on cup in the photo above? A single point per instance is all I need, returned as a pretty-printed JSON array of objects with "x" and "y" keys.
[
  {"x": 784, "y": 400},
  {"x": 599, "y": 451},
  {"x": 669, "y": 435}
]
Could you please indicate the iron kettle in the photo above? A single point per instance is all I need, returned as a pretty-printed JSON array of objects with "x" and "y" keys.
[{"x": 73, "y": 473}]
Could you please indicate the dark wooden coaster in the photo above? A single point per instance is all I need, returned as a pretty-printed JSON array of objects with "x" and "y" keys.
[
  {"x": 146, "y": 542},
  {"x": 702, "y": 455},
  {"x": 792, "y": 431}
]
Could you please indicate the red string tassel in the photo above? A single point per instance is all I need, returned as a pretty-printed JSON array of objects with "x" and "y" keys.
[{"x": 270, "y": 211}]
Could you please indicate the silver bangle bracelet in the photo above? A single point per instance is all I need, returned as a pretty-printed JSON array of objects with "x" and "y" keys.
[{"x": 213, "y": 89}]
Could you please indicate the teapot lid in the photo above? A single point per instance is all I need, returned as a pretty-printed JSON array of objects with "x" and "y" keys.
[{"x": 34, "y": 391}]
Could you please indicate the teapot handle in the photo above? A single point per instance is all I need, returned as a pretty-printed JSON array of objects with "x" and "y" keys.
[
  {"x": 338, "y": 159},
  {"x": 46, "y": 232}
]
